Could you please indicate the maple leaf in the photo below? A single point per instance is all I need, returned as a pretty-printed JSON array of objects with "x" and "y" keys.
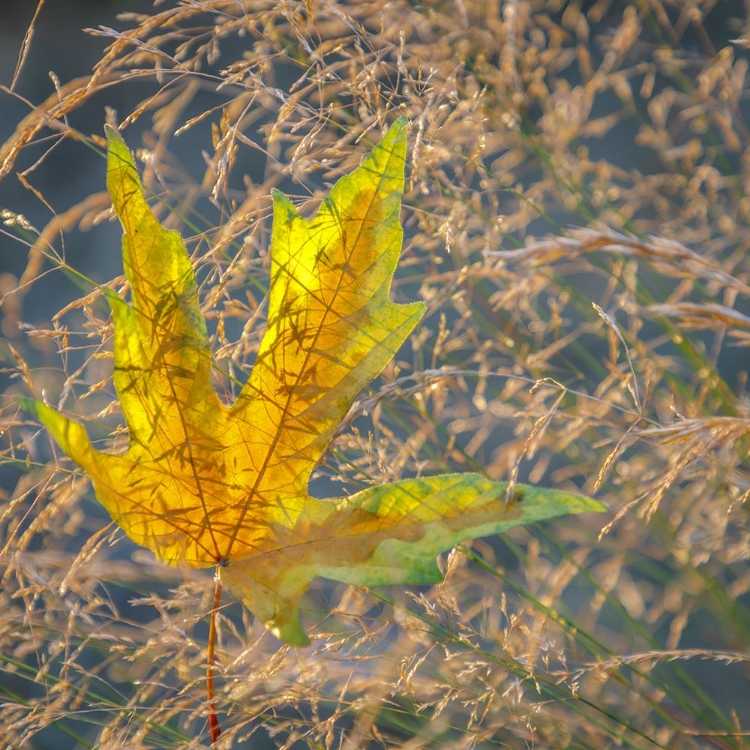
[{"x": 206, "y": 484}]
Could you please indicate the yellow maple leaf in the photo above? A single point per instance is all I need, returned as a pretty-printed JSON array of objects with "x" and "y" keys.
[{"x": 206, "y": 484}]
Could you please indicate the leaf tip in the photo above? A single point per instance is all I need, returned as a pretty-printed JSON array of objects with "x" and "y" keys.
[
  {"x": 115, "y": 143},
  {"x": 399, "y": 124},
  {"x": 118, "y": 156},
  {"x": 397, "y": 131},
  {"x": 281, "y": 203},
  {"x": 289, "y": 632},
  {"x": 69, "y": 435},
  {"x": 29, "y": 405}
]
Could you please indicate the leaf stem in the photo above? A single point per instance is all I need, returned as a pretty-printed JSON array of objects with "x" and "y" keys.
[{"x": 213, "y": 721}]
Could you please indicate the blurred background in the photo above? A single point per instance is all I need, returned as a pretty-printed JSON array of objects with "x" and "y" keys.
[{"x": 562, "y": 154}]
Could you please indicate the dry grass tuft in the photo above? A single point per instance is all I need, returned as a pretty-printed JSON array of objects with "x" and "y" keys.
[{"x": 609, "y": 358}]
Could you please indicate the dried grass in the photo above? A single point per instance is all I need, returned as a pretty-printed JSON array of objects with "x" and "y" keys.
[{"x": 606, "y": 358}]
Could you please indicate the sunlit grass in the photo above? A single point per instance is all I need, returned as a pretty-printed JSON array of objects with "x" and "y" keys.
[{"x": 577, "y": 221}]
